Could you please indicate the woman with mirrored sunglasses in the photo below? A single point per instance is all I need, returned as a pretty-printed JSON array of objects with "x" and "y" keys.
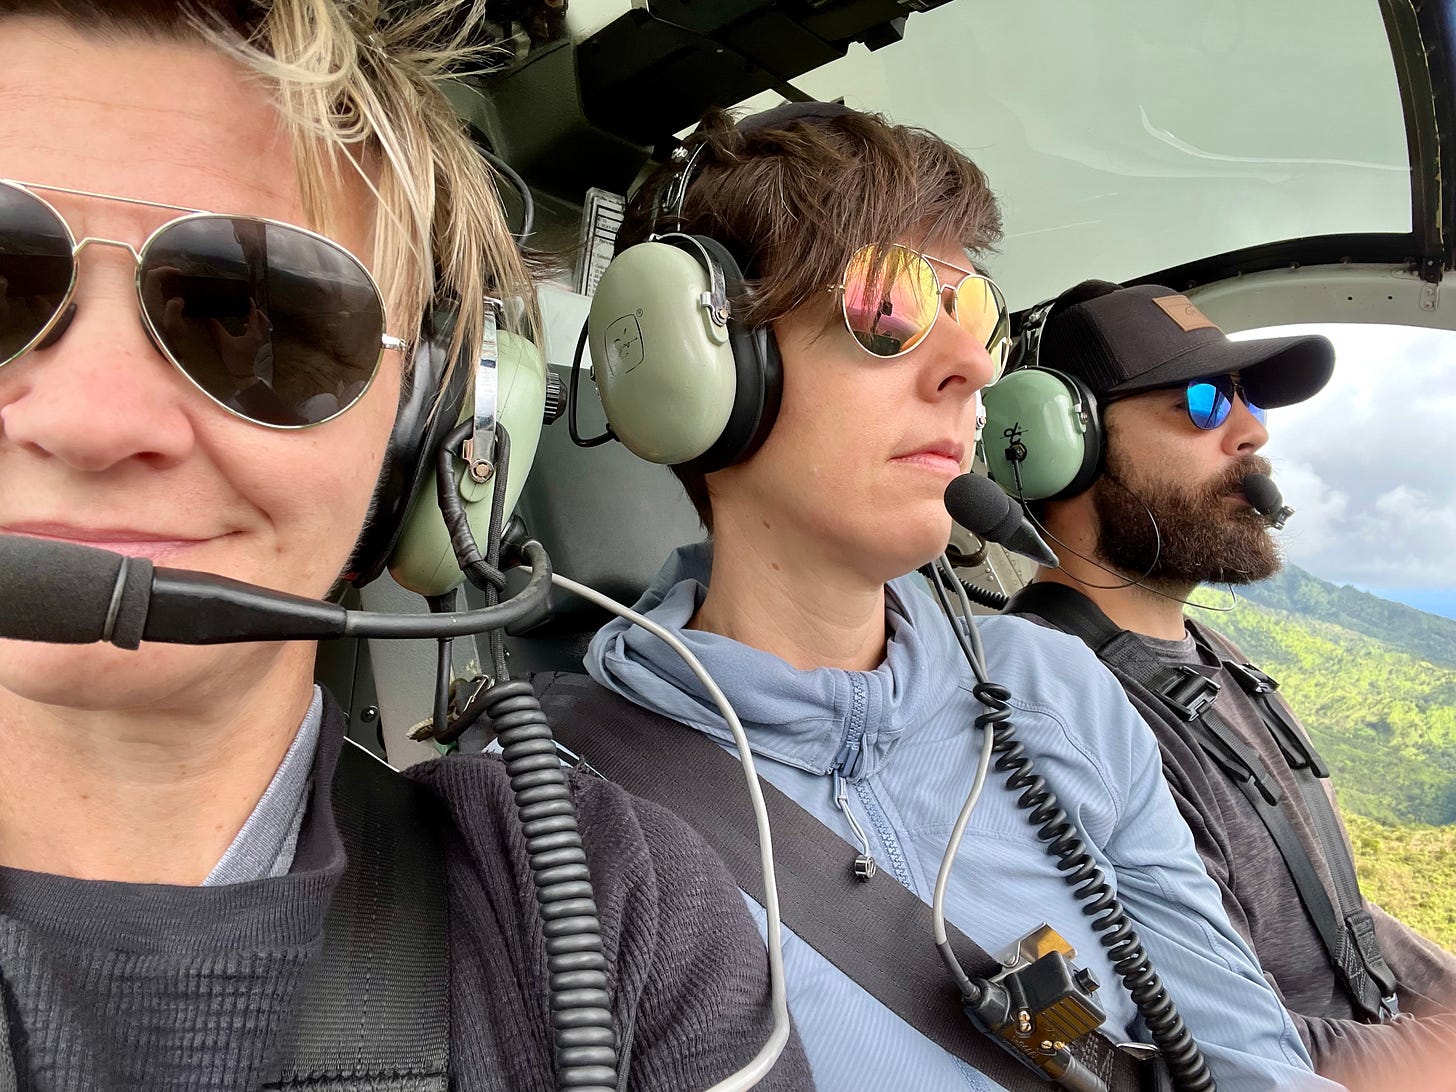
[
  {"x": 859, "y": 240},
  {"x": 212, "y": 284}
]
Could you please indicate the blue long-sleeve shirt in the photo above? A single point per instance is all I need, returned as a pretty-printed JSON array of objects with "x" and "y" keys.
[{"x": 900, "y": 741}]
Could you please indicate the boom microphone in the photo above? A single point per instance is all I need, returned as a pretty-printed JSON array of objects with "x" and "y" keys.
[
  {"x": 1261, "y": 492},
  {"x": 982, "y": 507},
  {"x": 62, "y": 593}
]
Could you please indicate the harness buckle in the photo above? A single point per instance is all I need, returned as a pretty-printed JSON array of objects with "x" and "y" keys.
[
  {"x": 1251, "y": 679},
  {"x": 1370, "y": 963},
  {"x": 1190, "y": 692}
]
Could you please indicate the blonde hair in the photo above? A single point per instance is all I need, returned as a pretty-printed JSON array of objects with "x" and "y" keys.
[
  {"x": 358, "y": 84},
  {"x": 349, "y": 79}
]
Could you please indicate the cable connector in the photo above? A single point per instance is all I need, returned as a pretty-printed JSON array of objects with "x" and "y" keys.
[
  {"x": 1036, "y": 1011},
  {"x": 1038, "y": 1005}
]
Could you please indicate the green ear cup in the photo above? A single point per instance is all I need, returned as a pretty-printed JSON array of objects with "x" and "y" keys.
[
  {"x": 1042, "y": 438},
  {"x": 423, "y": 560},
  {"x": 663, "y": 366}
]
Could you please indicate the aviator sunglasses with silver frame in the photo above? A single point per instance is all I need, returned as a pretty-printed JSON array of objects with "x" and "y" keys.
[
  {"x": 280, "y": 326},
  {"x": 891, "y": 298}
]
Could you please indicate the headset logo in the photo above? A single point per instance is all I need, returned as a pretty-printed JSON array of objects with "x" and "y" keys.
[
  {"x": 1015, "y": 449},
  {"x": 624, "y": 345}
]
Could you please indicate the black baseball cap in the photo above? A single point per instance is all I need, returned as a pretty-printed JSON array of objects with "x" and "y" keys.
[{"x": 1123, "y": 341}]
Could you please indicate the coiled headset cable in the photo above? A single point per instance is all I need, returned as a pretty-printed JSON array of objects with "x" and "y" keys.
[
  {"x": 1079, "y": 869},
  {"x": 581, "y": 1016}
]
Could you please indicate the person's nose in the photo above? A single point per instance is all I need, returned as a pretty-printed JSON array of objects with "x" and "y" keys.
[
  {"x": 1243, "y": 433},
  {"x": 954, "y": 362},
  {"x": 101, "y": 394}
]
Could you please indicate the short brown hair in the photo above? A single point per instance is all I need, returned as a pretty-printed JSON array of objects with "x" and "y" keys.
[{"x": 792, "y": 202}]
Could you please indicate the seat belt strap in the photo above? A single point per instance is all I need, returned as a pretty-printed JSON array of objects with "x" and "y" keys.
[
  {"x": 876, "y": 932},
  {"x": 1346, "y": 930},
  {"x": 1356, "y": 952},
  {"x": 1312, "y": 891},
  {"x": 374, "y": 1015}
]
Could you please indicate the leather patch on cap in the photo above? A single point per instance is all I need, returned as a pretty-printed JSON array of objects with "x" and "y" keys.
[{"x": 1183, "y": 311}]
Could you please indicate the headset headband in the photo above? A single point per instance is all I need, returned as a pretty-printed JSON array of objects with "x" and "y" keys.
[
  {"x": 1028, "y": 346},
  {"x": 675, "y": 194}
]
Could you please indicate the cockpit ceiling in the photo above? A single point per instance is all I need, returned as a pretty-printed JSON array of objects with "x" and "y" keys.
[{"x": 1126, "y": 137}]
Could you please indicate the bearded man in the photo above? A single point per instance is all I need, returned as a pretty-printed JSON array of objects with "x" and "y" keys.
[{"x": 1143, "y": 468}]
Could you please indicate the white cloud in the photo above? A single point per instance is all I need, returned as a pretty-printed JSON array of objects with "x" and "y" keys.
[
  {"x": 1319, "y": 510},
  {"x": 1370, "y": 462}
]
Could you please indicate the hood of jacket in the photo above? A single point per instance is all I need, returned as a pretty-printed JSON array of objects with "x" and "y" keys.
[{"x": 818, "y": 720}]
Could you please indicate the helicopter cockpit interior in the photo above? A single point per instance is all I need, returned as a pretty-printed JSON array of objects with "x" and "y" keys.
[{"x": 1280, "y": 166}]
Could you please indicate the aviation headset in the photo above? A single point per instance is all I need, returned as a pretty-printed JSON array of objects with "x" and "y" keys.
[
  {"x": 681, "y": 380},
  {"x": 503, "y": 382},
  {"x": 1043, "y": 438}
]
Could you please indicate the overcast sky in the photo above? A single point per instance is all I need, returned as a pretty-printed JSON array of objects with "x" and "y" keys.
[{"x": 1370, "y": 463}]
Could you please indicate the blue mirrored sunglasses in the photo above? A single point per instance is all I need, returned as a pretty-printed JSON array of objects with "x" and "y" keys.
[{"x": 1209, "y": 401}]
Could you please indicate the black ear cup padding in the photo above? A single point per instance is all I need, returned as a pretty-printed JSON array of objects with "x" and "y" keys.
[
  {"x": 760, "y": 374},
  {"x": 1094, "y": 447},
  {"x": 756, "y": 401},
  {"x": 418, "y": 431}
]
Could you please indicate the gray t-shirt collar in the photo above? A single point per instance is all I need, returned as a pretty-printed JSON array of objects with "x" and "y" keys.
[
  {"x": 265, "y": 845},
  {"x": 1184, "y": 650}
]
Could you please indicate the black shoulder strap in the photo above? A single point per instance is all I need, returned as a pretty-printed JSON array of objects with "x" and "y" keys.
[
  {"x": 1346, "y": 926},
  {"x": 876, "y": 932},
  {"x": 375, "y": 1015},
  {"x": 1067, "y": 609},
  {"x": 1346, "y": 930}
]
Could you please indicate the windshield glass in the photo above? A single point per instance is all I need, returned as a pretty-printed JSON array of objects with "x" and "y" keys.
[{"x": 1125, "y": 138}]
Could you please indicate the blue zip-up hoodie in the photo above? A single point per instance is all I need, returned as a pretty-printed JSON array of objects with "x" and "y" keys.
[{"x": 900, "y": 741}]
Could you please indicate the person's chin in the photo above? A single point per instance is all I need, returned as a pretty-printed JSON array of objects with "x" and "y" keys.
[
  {"x": 100, "y": 677},
  {"x": 916, "y": 542}
]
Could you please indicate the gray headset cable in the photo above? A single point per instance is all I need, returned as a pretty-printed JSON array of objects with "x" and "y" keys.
[
  {"x": 760, "y": 1064},
  {"x": 983, "y": 763}
]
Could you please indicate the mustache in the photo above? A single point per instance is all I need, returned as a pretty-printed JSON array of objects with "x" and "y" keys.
[{"x": 1232, "y": 478}]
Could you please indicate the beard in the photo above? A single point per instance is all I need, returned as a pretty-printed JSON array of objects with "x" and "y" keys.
[{"x": 1173, "y": 535}]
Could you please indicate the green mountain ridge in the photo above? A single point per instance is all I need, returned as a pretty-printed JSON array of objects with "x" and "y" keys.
[
  {"x": 1403, "y": 628},
  {"x": 1375, "y": 684},
  {"x": 1382, "y": 712}
]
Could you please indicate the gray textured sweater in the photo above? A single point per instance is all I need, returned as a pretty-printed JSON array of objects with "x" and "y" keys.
[{"x": 113, "y": 985}]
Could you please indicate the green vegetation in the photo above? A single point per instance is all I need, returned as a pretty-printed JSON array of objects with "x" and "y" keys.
[
  {"x": 1375, "y": 685},
  {"x": 1384, "y": 720},
  {"x": 1411, "y": 872}
]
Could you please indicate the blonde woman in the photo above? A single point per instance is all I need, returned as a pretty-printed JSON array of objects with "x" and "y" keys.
[{"x": 169, "y": 852}]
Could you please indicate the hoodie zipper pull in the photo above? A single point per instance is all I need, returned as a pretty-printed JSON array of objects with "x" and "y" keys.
[{"x": 864, "y": 861}]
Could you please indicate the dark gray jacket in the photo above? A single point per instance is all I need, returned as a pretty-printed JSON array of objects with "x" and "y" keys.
[{"x": 114, "y": 985}]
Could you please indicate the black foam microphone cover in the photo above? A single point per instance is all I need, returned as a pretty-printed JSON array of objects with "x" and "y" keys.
[
  {"x": 982, "y": 507},
  {"x": 67, "y": 594},
  {"x": 1262, "y": 493}
]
